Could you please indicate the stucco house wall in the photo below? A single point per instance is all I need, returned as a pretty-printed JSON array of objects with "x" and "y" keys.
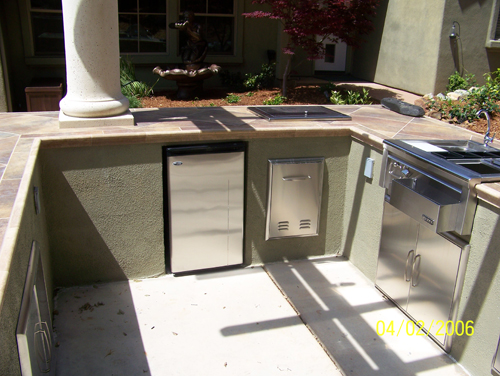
[{"x": 411, "y": 48}]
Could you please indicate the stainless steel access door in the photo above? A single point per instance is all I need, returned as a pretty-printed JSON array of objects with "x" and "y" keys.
[
  {"x": 397, "y": 251},
  {"x": 433, "y": 281},
  {"x": 294, "y": 197},
  {"x": 206, "y": 210}
]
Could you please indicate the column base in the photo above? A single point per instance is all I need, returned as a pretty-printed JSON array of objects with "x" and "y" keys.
[{"x": 65, "y": 121}]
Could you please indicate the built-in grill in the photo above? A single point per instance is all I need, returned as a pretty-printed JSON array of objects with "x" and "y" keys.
[
  {"x": 440, "y": 175},
  {"x": 429, "y": 209}
]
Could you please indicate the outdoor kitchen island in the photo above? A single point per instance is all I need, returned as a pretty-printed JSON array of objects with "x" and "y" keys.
[{"x": 101, "y": 217}]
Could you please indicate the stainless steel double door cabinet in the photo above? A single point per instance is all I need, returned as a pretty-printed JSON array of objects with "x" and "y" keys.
[
  {"x": 421, "y": 272},
  {"x": 205, "y": 201}
]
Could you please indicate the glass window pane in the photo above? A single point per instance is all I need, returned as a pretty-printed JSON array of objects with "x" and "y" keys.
[
  {"x": 128, "y": 33},
  {"x": 152, "y": 6},
  {"x": 46, "y": 4},
  {"x": 48, "y": 35},
  {"x": 129, "y": 6},
  {"x": 219, "y": 33},
  {"x": 197, "y": 6},
  {"x": 152, "y": 34},
  {"x": 220, "y": 6},
  {"x": 330, "y": 53}
]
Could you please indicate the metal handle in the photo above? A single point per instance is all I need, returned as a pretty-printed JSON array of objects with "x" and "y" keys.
[
  {"x": 42, "y": 347},
  {"x": 295, "y": 178},
  {"x": 407, "y": 263},
  {"x": 415, "y": 271}
]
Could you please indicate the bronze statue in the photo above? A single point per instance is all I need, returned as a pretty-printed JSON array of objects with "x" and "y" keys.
[
  {"x": 189, "y": 78},
  {"x": 196, "y": 49}
]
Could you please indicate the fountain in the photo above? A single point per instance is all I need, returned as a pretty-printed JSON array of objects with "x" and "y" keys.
[{"x": 190, "y": 76}]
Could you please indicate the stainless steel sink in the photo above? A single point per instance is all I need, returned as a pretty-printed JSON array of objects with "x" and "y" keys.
[{"x": 461, "y": 145}]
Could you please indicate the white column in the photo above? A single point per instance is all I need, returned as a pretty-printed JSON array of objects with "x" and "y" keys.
[{"x": 92, "y": 52}]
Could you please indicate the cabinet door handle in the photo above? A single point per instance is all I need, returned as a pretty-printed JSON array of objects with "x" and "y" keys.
[
  {"x": 408, "y": 262},
  {"x": 415, "y": 271}
]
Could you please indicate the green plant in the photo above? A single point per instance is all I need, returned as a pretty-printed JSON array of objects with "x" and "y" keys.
[
  {"x": 250, "y": 94},
  {"x": 232, "y": 98},
  {"x": 350, "y": 97},
  {"x": 263, "y": 79},
  {"x": 130, "y": 87},
  {"x": 337, "y": 98},
  {"x": 275, "y": 101},
  {"x": 134, "y": 102},
  {"x": 456, "y": 82}
]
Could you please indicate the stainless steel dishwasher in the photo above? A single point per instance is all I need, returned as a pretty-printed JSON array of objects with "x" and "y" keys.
[{"x": 205, "y": 205}]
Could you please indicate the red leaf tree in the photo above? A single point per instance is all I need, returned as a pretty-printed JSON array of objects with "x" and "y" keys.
[{"x": 304, "y": 20}]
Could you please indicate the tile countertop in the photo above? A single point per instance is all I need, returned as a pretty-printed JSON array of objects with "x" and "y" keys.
[{"x": 21, "y": 134}]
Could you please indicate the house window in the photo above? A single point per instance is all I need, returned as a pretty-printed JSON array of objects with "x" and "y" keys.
[
  {"x": 217, "y": 20},
  {"x": 330, "y": 53},
  {"x": 47, "y": 27},
  {"x": 142, "y": 25}
]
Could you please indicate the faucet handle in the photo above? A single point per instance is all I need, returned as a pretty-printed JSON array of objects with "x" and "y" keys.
[{"x": 488, "y": 138}]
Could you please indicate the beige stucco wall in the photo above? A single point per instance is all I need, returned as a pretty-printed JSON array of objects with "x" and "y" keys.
[
  {"x": 410, "y": 48},
  {"x": 480, "y": 300},
  {"x": 363, "y": 208},
  {"x": 31, "y": 227},
  {"x": 409, "y": 45},
  {"x": 104, "y": 213}
]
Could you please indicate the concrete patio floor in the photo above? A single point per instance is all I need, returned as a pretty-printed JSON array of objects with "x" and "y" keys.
[{"x": 240, "y": 322}]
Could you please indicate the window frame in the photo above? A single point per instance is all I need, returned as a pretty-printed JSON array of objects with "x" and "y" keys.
[
  {"x": 491, "y": 42},
  {"x": 169, "y": 57}
]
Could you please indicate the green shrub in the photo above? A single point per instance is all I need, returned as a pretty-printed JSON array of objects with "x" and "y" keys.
[
  {"x": 456, "y": 82},
  {"x": 134, "y": 102},
  {"x": 350, "y": 97},
  {"x": 275, "y": 101},
  {"x": 262, "y": 80},
  {"x": 130, "y": 87},
  {"x": 484, "y": 97},
  {"x": 232, "y": 98},
  {"x": 337, "y": 98}
]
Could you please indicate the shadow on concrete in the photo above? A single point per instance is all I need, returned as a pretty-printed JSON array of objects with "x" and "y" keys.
[
  {"x": 341, "y": 324},
  {"x": 97, "y": 332}
]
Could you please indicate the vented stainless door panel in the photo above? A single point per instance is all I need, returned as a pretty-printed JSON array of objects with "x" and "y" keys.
[
  {"x": 206, "y": 210},
  {"x": 294, "y": 197},
  {"x": 432, "y": 288},
  {"x": 396, "y": 255}
]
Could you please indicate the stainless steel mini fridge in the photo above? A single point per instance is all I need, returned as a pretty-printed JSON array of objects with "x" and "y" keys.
[{"x": 205, "y": 205}]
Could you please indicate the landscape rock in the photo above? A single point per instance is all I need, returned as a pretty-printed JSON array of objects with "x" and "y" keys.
[
  {"x": 441, "y": 96},
  {"x": 401, "y": 107},
  {"x": 454, "y": 96}
]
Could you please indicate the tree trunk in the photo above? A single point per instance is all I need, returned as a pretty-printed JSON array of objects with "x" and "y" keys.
[{"x": 285, "y": 75}]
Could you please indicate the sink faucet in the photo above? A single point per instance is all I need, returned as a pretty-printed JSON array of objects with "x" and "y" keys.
[{"x": 487, "y": 137}]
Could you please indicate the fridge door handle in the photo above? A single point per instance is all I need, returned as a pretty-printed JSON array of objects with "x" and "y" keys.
[
  {"x": 295, "y": 178},
  {"x": 408, "y": 262},
  {"x": 415, "y": 271}
]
